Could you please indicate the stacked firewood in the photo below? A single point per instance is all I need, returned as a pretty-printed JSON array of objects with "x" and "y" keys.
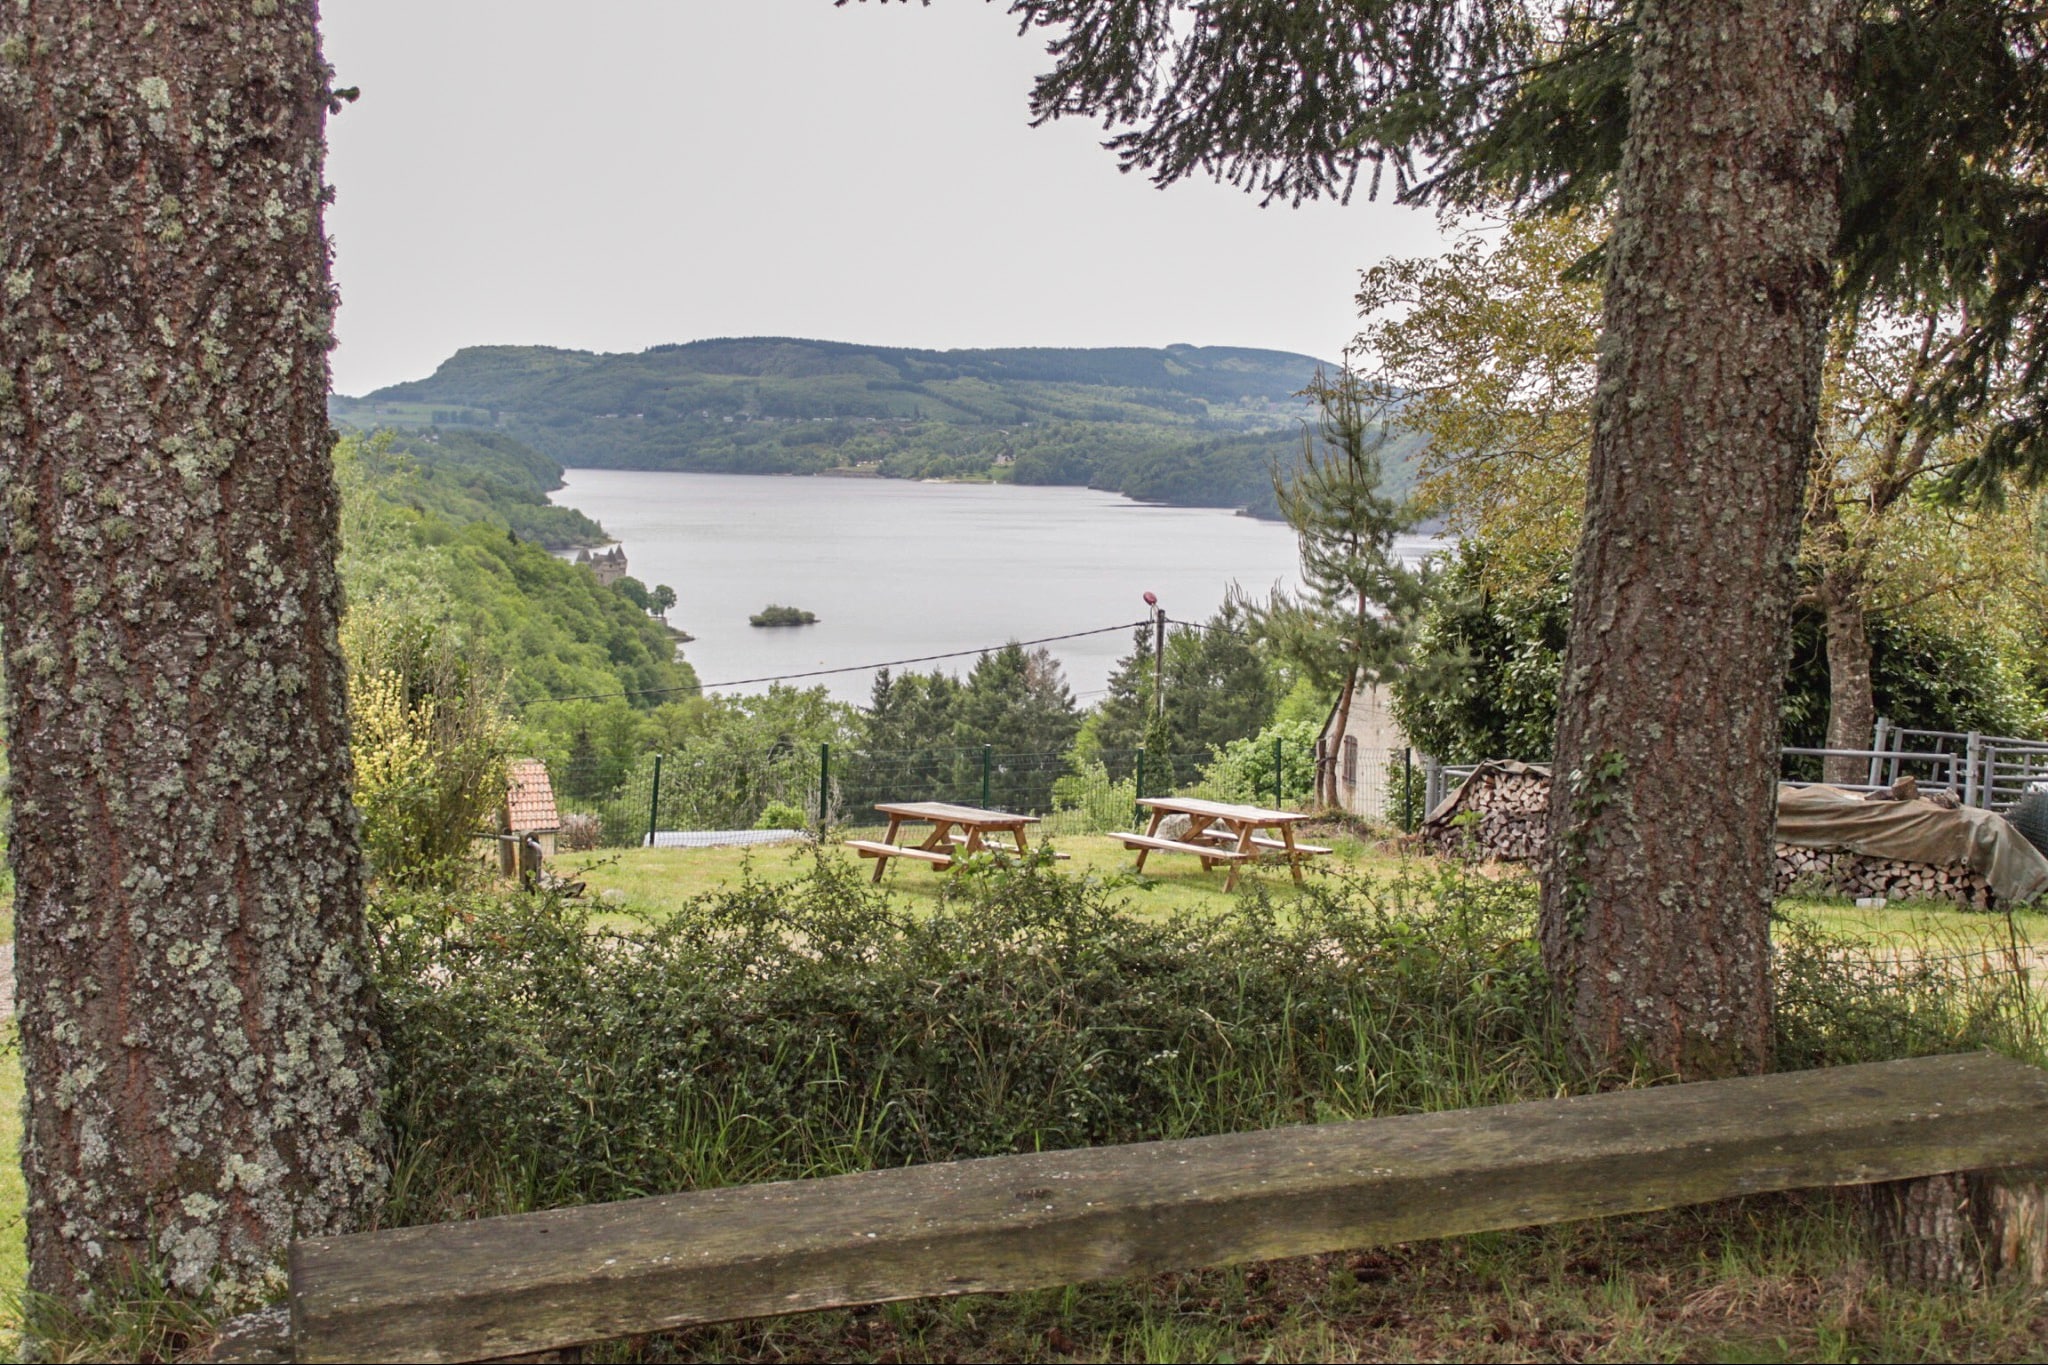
[
  {"x": 1841, "y": 873},
  {"x": 1501, "y": 819}
]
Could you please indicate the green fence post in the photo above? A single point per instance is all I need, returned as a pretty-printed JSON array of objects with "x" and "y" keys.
[
  {"x": 1140, "y": 810},
  {"x": 1278, "y": 792},
  {"x": 654, "y": 803},
  {"x": 987, "y": 752},
  {"x": 1408, "y": 791},
  {"x": 824, "y": 784}
]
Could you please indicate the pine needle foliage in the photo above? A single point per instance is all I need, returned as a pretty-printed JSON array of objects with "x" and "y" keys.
[
  {"x": 1357, "y": 596},
  {"x": 1474, "y": 103}
]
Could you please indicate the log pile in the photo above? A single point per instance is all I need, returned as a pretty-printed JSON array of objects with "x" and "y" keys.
[
  {"x": 1500, "y": 818},
  {"x": 1840, "y": 873}
]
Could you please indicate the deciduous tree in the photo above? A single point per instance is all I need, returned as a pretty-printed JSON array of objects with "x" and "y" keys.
[{"x": 1490, "y": 352}]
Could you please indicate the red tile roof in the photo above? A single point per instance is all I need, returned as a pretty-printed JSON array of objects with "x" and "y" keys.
[{"x": 530, "y": 798}]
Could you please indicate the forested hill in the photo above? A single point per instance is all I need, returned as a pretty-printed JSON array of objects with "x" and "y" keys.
[
  {"x": 463, "y": 475},
  {"x": 432, "y": 544},
  {"x": 1184, "y": 424}
]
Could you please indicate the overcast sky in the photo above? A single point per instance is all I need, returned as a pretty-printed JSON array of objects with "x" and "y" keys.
[{"x": 621, "y": 173}]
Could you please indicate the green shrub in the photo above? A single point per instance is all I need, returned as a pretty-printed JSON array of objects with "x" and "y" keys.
[
  {"x": 1243, "y": 769},
  {"x": 1089, "y": 801},
  {"x": 782, "y": 815},
  {"x": 428, "y": 745},
  {"x": 805, "y": 1028}
]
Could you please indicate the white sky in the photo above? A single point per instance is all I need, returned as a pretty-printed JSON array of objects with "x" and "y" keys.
[{"x": 615, "y": 174}]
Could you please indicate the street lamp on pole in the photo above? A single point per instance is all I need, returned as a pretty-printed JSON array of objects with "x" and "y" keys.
[{"x": 1158, "y": 655}]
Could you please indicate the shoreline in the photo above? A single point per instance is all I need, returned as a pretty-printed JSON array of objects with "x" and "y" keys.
[{"x": 867, "y": 475}]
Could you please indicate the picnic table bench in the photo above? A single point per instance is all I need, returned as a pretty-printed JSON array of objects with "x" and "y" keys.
[
  {"x": 962, "y": 828},
  {"x": 544, "y": 1281},
  {"x": 1220, "y": 832}
]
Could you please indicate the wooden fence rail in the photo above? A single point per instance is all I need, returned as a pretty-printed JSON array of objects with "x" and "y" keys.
[{"x": 541, "y": 1281}]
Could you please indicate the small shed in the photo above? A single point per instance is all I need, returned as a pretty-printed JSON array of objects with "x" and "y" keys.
[{"x": 528, "y": 817}]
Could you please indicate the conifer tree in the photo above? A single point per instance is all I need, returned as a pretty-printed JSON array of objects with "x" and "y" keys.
[
  {"x": 1349, "y": 623},
  {"x": 1769, "y": 161},
  {"x": 1219, "y": 688},
  {"x": 196, "y": 1034}
]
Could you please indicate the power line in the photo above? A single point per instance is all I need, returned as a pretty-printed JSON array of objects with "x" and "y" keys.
[
  {"x": 1208, "y": 625},
  {"x": 850, "y": 668}
]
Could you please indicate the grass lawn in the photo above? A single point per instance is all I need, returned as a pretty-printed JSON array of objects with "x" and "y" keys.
[
  {"x": 659, "y": 881},
  {"x": 1927, "y": 925}
]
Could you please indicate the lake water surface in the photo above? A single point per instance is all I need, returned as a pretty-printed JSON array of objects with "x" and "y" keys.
[{"x": 897, "y": 570}]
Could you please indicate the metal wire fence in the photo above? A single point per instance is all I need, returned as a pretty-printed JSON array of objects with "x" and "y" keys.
[{"x": 662, "y": 797}]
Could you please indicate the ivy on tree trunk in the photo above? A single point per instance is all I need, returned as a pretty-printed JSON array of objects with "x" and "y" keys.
[
  {"x": 1656, "y": 900},
  {"x": 195, "y": 1021}
]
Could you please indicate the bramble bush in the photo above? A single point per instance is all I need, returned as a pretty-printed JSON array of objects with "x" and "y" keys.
[{"x": 795, "y": 1029}]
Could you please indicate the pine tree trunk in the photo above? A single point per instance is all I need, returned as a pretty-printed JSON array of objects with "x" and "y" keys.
[
  {"x": 1331, "y": 797},
  {"x": 1961, "y": 1230},
  {"x": 195, "y": 1024},
  {"x": 1852, "y": 702},
  {"x": 1657, "y": 892}
]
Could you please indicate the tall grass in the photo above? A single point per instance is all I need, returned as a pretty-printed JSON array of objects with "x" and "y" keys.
[
  {"x": 1945, "y": 987},
  {"x": 807, "y": 1028},
  {"x": 540, "y": 1057}
]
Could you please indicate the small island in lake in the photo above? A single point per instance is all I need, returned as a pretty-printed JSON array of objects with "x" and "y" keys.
[{"x": 782, "y": 616}]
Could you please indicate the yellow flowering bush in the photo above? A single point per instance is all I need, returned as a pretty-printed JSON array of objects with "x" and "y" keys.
[{"x": 430, "y": 750}]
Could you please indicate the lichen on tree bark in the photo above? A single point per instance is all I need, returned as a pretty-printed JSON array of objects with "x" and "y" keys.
[
  {"x": 196, "y": 1037},
  {"x": 1656, "y": 902}
]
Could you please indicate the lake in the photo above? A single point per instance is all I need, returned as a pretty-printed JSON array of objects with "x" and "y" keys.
[{"x": 898, "y": 570}]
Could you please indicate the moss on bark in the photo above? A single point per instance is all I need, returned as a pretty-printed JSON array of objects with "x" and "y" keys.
[{"x": 195, "y": 1022}]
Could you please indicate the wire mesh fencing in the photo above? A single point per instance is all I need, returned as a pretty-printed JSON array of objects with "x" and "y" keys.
[
  {"x": 659, "y": 796},
  {"x": 660, "y": 799}
]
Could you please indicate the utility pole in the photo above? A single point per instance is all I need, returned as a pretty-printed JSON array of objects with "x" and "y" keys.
[{"x": 1158, "y": 656}]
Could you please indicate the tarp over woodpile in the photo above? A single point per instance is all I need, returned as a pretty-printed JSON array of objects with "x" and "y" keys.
[
  {"x": 1448, "y": 807},
  {"x": 1830, "y": 818},
  {"x": 1916, "y": 831}
]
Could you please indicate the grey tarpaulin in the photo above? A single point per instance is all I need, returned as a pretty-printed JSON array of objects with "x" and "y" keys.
[
  {"x": 1915, "y": 831},
  {"x": 1911, "y": 831}
]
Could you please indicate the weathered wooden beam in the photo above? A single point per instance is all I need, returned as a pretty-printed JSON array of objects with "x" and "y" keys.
[{"x": 505, "y": 1286}]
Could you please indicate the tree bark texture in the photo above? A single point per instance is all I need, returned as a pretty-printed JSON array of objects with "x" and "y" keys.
[
  {"x": 1330, "y": 795},
  {"x": 1962, "y": 1230},
  {"x": 1656, "y": 898},
  {"x": 195, "y": 1019},
  {"x": 1852, "y": 697}
]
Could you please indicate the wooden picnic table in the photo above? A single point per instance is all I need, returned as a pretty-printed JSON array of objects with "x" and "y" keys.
[
  {"x": 961, "y": 829},
  {"x": 1219, "y": 832}
]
